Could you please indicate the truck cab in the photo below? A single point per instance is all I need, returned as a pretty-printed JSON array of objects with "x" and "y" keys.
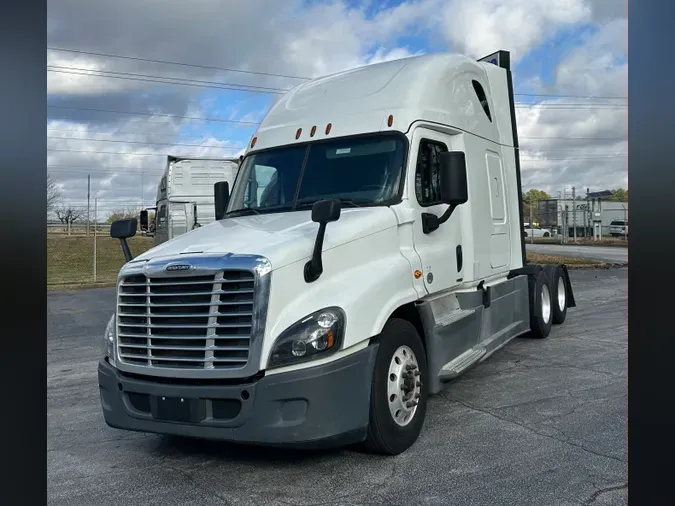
[
  {"x": 370, "y": 251},
  {"x": 185, "y": 196}
]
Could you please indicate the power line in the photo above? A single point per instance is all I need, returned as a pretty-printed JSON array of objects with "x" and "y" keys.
[
  {"x": 146, "y": 143},
  {"x": 176, "y": 116},
  {"x": 126, "y": 132},
  {"x": 575, "y": 138},
  {"x": 599, "y": 97},
  {"x": 271, "y": 74},
  {"x": 570, "y": 158},
  {"x": 168, "y": 62},
  {"x": 165, "y": 80},
  {"x": 233, "y": 147},
  {"x": 131, "y": 76},
  {"x": 114, "y": 152},
  {"x": 168, "y": 78}
]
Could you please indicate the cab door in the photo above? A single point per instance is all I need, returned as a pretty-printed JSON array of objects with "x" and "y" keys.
[{"x": 441, "y": 250}]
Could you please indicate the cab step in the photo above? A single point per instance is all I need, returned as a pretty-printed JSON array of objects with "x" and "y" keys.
[{"x": 455, "y": 367}]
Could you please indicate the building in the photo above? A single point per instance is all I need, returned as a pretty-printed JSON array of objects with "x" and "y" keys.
[{"x": 561, "y": 214}]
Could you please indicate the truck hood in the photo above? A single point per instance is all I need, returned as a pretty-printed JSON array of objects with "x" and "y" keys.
[{"x": 282, "y": 238}]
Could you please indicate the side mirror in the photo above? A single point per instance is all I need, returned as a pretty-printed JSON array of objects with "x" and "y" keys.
[
  {"x": 454, "y": 187},
  {"x": 325, "y": 211},
  {"x": 144, "y": 220},
  {"x": 122, "y": 230},
  {"x": 221, "y": 192}
]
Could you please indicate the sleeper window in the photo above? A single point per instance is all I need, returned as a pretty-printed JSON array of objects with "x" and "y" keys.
[{"x": 482, "y": 98}]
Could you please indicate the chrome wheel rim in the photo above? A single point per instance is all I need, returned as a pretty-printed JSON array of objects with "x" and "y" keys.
[
  {"x": 561, "y": 294},
  {"x": 545, "y": 303},
  {"x": 404, "y": 386}
]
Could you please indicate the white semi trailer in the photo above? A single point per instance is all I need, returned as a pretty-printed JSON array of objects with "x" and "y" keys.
[
  {"x": 371, "y": 250},
  {"x": 185, "y": 195}
]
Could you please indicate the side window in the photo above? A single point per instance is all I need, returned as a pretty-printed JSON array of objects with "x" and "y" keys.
[
  {"x": 162, "y": 185},
  {"x": 482, "y": 98},
  {"x": 260, "y": 190},
  {"x": 427, "y": 182},
  {"x": 161, "y": 215}
]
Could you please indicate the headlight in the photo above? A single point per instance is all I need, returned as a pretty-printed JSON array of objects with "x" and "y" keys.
[
  {"x": 109, "y": 340},
  {"x": 317, "y": 335}
]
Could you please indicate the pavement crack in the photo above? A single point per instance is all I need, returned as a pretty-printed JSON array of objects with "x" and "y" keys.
[
  {"x": 534, "y": 431},
  {"x": 600, "y": 491}
]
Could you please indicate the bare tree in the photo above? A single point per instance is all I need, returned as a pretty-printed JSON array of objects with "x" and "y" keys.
[
  {"x": 68, "y": 215},
  {"x": 53, "y": 193}
]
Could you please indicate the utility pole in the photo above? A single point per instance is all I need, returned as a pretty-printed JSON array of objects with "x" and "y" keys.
[
  {"x": 531, "y": 226},
  {"x": 95, "y": 227},
  {"x": 88, "y": 197},
  {"x": 574, "y": 212}
]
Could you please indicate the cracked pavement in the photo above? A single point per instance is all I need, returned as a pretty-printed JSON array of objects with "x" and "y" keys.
[{"x": 538, "y": 423}]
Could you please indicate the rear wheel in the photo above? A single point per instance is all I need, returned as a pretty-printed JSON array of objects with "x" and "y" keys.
[
  {"x": 398, "y": 399},
  {"x": 541, "y": 311},
  {"x": 556, "y": 275}
]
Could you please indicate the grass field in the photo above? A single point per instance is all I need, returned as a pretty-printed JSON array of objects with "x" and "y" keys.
[
  {"x": 582, "y": 241},
  {"x": 70, "y": 260}
]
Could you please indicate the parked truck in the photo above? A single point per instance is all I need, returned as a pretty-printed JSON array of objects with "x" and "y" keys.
[
  {"x": 371, "y": 251},
  {"x": 185, "y": 195}
]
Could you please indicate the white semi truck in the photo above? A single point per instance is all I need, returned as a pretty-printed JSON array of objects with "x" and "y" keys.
[
  {"x": 185, "y": 195},
  {"x": 371, "y": 251}
]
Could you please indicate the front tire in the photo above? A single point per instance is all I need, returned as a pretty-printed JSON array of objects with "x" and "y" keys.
[{"x": 398, "y": 399}]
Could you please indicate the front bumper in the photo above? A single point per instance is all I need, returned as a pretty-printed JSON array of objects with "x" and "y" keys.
[{"x": 326, "y": 405}]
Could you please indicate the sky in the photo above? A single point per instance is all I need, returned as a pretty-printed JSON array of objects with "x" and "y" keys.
[{"x": 194, "y": 79}]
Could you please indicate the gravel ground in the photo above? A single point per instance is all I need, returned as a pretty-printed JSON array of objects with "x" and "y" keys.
[{"x": 538, "y": 423}]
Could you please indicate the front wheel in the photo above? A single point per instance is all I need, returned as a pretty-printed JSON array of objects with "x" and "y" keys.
[{"x": 398, "y": 399}]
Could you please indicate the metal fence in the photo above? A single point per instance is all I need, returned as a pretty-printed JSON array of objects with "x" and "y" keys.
[
  {"x": 77, "y": 256},
  {"x": 574, "y": 220}
]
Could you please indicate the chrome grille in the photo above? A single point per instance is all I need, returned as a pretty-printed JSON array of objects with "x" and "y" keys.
[{"x": 195, "y": 322}]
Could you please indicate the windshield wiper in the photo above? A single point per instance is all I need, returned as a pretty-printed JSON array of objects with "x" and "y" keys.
[
  {"x": 243, "y": 212},
  {"x": 353, "y": 203}
]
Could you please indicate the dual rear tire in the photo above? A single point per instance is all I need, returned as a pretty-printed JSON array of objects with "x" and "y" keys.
[{"x": 548, "y": 300}]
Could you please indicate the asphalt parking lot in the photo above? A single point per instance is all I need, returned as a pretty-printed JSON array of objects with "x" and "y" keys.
[{"x": 539, "y": 423}]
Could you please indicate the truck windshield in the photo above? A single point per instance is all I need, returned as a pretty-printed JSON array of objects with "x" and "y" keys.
[{"x": 360, "y": 171}]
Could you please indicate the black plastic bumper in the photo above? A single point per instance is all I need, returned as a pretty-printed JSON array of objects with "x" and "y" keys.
[{"x": 326, "y": 405}]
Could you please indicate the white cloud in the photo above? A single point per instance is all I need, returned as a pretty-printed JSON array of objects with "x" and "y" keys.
[
  {"x": 329, "y": 36},
  {"x": 480, "y": 27}
]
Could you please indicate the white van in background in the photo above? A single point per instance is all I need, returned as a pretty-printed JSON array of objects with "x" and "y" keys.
[{"x": 185, "y": 195}]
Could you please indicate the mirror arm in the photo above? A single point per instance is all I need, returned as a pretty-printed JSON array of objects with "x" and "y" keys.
[
  {"x": 314, "y": 268},
  {"x": 431, "y": 222},
  {"x": 125, "y": 249}
]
